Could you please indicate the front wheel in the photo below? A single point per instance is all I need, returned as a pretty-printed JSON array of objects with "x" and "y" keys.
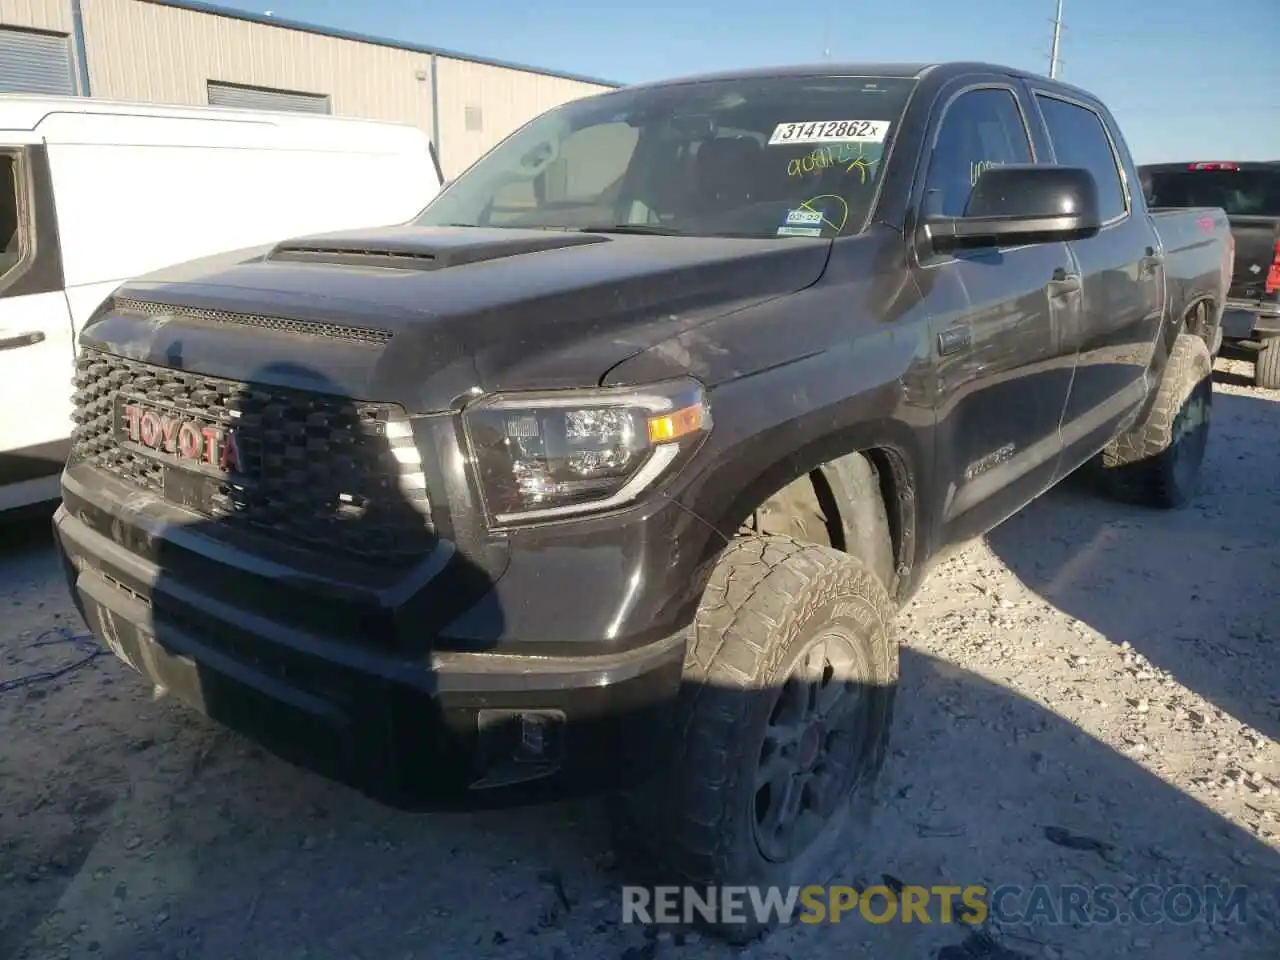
[{"x": 786, "y": 706}]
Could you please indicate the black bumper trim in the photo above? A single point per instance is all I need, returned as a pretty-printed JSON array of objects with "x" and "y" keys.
[
  {"x": 442, "y": 672},
  {"x": 406, "y": 731}
]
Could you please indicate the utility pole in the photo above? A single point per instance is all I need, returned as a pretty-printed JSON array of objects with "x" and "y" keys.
[{"x": 1057, "y": 38}]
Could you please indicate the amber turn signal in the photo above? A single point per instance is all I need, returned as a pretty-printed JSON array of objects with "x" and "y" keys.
[{"x": 677, "y": 424}]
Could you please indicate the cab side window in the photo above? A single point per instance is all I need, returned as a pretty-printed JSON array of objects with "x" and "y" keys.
[
  {"x": 10, "y": 235},
  {"x": 981, "y": 129},
  {"x": 1080, "y": 140}
]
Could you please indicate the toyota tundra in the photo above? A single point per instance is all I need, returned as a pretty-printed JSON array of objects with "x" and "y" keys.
[{"x": 610, "y": 469}]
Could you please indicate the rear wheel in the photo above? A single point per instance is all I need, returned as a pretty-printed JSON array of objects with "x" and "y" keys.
[
  {"x": 787, "y": 702},
  {"x": 1157, "y": 461},
  {"x": 1266, "y": 366}
]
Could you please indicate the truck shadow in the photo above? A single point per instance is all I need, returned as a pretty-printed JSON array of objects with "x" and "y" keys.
[
  {"x": 256, "y": 858},
  {"x": 1209, "y": 614}
]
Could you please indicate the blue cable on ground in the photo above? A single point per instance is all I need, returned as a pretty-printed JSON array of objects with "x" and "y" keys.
[{"x": 52, "y": 637}]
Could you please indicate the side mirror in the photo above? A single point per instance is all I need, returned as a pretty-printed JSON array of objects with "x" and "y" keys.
[{"x": 1021, "y": 203}]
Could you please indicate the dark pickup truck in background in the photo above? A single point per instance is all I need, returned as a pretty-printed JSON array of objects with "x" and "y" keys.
[
  {"x": 1249, "y": 192},
  {"x": 612, "y": 468}
]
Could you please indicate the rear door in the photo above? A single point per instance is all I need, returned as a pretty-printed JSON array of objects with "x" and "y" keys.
[
  {"x": 1122, "y": 269},
  {"x": 36, "y": 349}
]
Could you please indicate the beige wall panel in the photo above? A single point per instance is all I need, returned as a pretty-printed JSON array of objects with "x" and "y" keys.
[
  {"x": 505, "y": 98},
  {"x": 144, "y": 51},
  {"x": 52, "y": 15}
]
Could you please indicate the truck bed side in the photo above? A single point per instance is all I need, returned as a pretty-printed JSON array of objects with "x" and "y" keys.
[{"x": 1198, "y": 257}]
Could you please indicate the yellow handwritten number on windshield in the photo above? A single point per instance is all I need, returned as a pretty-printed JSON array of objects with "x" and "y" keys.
[{"x": 849, "y": 156}]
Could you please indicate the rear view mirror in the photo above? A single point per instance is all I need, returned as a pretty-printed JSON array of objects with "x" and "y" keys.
[
  {"x": 691, "y": 127},
  {"x": 1021, "y": 203}
]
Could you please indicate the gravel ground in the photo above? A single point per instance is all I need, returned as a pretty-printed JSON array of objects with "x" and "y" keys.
[{"x": 1090, "y": 696}]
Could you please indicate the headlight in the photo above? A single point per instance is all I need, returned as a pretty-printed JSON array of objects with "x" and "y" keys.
[{"x": 555, "y": 453}]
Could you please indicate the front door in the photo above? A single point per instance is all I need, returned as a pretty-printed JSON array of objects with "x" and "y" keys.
[
  {"x": 36, "y": 349},
  {"x": 1003, "y": 331}
]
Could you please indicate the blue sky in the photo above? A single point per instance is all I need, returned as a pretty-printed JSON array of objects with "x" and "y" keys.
[{"x": 1187, "y": 79}]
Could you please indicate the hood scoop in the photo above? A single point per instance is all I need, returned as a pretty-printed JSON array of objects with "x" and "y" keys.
[{"x": 422, "y": 248}]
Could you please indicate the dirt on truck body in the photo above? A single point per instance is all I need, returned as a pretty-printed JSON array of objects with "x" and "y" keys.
[{"x": 612, "y": 469}]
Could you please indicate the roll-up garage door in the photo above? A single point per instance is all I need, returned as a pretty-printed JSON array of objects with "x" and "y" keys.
[
  {"x": 257, "y": 98},
  {"x": 32, "y": 62}
]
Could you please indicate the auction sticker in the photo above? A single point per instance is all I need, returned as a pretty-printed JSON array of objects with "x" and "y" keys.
[
  {"x": 830, "y": 131},
  {"x": 810, "y": 218}
]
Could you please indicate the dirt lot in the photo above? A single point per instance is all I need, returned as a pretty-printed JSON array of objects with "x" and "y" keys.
[{"x": 1090, "y": 696}]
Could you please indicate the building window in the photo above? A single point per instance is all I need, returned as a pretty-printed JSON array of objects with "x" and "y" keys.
[
  {"x": 474, "y": 119},
  {"x": 264, "y": 98},
  {"x": 35, "y": 62}
]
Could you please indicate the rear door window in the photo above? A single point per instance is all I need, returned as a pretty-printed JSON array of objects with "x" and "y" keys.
[{"x": 1080, "y": 139}]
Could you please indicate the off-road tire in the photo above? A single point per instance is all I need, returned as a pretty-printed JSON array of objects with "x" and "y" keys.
[
  {"x": 795, "y": 511},
  {"x": 1155, "y": 462},
  {"x": 1266, "y": 365},
  {"x": 693, "y": 823}
]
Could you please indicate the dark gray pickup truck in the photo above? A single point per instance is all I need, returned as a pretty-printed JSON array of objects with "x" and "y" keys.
[
  {"x": 1249, "y": 192},
  {"x": 610, "y": 470}
]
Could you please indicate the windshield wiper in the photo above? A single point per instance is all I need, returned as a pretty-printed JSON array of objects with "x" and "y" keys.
[{"x": 639, "y": 228}]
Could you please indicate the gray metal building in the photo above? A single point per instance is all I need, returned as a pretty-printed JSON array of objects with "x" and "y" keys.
[{"x": 179, "y": 52}]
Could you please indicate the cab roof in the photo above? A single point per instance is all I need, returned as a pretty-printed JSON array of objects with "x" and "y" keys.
[{"x": 909, "y": 70}]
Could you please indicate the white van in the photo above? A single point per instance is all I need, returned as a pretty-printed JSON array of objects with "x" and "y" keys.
[{"x": 95, "y": 192}]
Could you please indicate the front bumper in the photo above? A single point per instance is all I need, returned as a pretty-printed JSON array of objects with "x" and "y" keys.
[{"x": 434, "y": 728}]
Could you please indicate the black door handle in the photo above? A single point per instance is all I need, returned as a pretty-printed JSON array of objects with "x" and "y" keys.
[{"x": 22, "y": 340}]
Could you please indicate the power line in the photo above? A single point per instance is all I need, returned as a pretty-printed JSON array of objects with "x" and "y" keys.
[{"x": 1057, "y": 38}]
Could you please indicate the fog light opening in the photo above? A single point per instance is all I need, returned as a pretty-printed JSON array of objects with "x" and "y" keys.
[{"x": 514, "y": 746}]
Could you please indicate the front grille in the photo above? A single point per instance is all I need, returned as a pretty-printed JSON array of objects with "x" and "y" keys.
[{"x": 315, "y": 470}]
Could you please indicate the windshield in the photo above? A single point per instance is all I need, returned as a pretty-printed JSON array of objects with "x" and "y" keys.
[
  {"x": 761, "y": 157},
  {"x": 1241, "y": 193}
]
